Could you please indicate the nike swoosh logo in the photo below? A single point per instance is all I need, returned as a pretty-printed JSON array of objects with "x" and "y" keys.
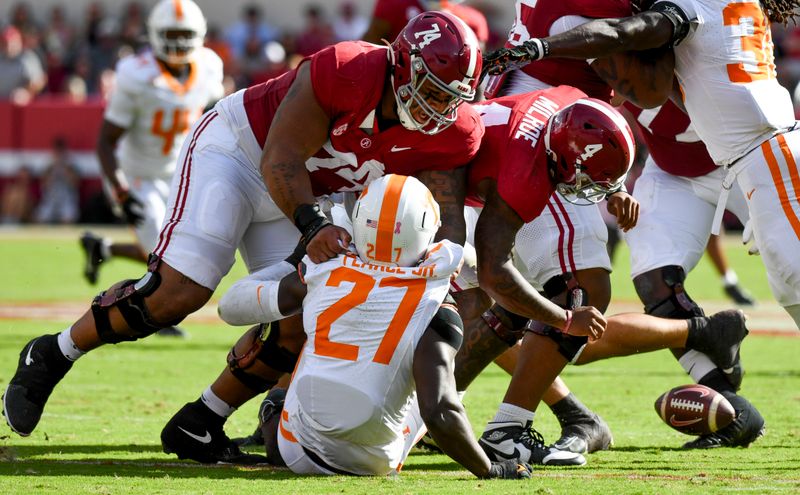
[
  {"x": 677, "y": 422},
  {"x": 506, "y": 448},
  {"x": 28, "y": 359},
  {"x": 258, "y": 293},
  {"x": 204, "y": 439},
  {"x": 750, "y": 194},
  {"x": 398, "y": 148}
]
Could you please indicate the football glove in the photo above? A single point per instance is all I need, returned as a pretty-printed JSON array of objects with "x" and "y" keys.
[
  {"x": 510, "y": 469},
  {"x": 507, "y": 59},
  {"x": 132, "y": 208}
]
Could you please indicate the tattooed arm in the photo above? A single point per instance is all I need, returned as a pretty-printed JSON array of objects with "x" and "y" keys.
[
  {"x": 497, "y": 227},
  {"x": 643, "y": 78},
  {"x": 299, "y": 129},
  {"x": 448, "y": 189}
]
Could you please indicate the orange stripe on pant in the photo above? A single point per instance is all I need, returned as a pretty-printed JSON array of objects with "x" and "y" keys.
[
  {"x": 777, "y": 179},
  {"x": 386, "y": 226}
]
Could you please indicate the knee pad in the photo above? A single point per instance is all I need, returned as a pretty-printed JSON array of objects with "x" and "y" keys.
[
  {"x": 261, "y": 343},
  {"x": 509, "y": 332},
  {"x": 678, "y": 305},
  {"x": 569, "y": 346},
  {"x": 128, "y": 298}
]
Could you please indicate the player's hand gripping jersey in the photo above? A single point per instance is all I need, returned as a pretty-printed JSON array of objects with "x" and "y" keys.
[
  {"x": 157, "y": 110},
  {"x": 351, "y": 390}
]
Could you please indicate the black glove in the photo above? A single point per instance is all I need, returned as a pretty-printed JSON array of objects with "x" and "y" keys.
[
  {"x": 510, "y": 469},
  {"x": 132, "y": 209},
  {"x": 506, "y": 59}
]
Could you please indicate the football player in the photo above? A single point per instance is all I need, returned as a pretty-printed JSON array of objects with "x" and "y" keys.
[
  {"x": 249, "y": 177},
  {"x": 378, "y": 330},
  {"x": 562, "y": 249},
  {"x": 733, "y": 84},
  {"x": 678, "y": 190},
  {"x": 159, "y": 94},
  {"x": 536, "y": 143}
]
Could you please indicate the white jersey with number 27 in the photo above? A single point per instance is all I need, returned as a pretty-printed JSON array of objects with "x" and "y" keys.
[{"x": 353, "y": 385}]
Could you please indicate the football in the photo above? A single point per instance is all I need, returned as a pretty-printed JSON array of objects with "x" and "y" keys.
[{"x": 695, "y": 409}]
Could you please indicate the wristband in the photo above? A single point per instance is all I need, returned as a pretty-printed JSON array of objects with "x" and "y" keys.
[
  {"x": 568, "y": 323},
  {"x": 309, "y": 220}
]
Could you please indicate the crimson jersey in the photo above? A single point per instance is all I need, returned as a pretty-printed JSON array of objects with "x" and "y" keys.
[
  {"x": 513, "y": 153},
  {"x": 348, "y": 80},
  {"x": 535, "y": 18},
  {"x": 398, "y": 12},
  {"x": 672, "y": 141}
]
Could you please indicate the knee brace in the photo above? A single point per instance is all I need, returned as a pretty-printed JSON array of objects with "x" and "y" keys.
[
  {"x": 128, "y": 298},
  {"x": 510, "y": 332},
  {"x": 566, "y": 283},
  {"x": 678, "y": 305},
  {"x": 569, "y": 346},
  {"x": 261, "y": 343}
]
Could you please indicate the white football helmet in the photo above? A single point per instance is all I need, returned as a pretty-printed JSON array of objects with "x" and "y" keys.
[
  {"x": 176, "y": 15},
  {"x": 394, "y": 221}
]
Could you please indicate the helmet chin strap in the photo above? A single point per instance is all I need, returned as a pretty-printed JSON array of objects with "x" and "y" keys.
[{"x": 406, "y": 120}]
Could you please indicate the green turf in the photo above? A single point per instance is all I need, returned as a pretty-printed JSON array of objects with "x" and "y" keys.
[{"x": 100, "y": 431}]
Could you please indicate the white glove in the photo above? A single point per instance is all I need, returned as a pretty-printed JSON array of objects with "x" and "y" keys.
[{"x": 747, "y": 236}]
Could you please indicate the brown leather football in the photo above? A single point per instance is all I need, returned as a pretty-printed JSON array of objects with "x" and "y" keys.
[{"x": 695, "y": 409}]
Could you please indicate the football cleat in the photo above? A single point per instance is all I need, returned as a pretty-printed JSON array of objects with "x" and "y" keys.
[
  {"x": 585, "y": 435},
  {"x": 744, "y": 430},
  {"x": 41, "y": 366},
  {"x": 173, "y": 331},
  {"x": 195, "y": 432},
  {"x": 720, "y": 338},
  {"x": 254, "y": 439},
  {"x": 429, "y": 444},
  {"x": 739, "y": 295},
  {"x": 92, "y": 249},
  {"x": 511, "y": 440}
]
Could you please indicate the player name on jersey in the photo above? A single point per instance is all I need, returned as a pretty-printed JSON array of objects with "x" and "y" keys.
[{"x": 534, "y": 120}]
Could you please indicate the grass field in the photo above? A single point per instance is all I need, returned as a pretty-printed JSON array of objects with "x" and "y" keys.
[{"x": 100, "y": 431}]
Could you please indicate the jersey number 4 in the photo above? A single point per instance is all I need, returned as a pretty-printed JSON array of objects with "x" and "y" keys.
[
  {"x": 756, "y": 61},
  {"x": 180, "y": 124},
  {"x": 363, "y": 285}
]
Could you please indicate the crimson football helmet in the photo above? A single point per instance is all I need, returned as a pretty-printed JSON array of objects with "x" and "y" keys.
[
  {"x": 590, "y": 148},
  {"x": 436, "y": 65}
]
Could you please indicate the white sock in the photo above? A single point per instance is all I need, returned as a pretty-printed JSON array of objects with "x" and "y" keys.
[
  {"x": 105, "y": 248},
  {"x": 217, "y": 405},
  {"x": 68, "y": 347},
  {"x": 509, "y": 412},
  {"x": 730, "y": 278},
  {"x": 696, "y": 364}
]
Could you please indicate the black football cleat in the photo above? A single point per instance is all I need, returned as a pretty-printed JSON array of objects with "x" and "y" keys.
[
  {"x": 41, "y": 366},
  {"x": 174, "y": 331},
  {"x": 254, "y": 439},
  {"x": 719, "y": 336},
  {"x": 744, "y": 430},
  {"x": 585, "y": 435},
  {"x": 92, "y": 249},
  {"x": 196, "y": 433},
  {"x": 511, "y": 440},
  {"x": 739, "y": 295},
  {"x": 429, "y": 444}
]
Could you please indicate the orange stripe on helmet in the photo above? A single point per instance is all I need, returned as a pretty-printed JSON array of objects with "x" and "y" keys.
[
  {"x": 178, "y": 9},
  {"x": 386, "y": 219},
  {"x": 775, "y": 171}
]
